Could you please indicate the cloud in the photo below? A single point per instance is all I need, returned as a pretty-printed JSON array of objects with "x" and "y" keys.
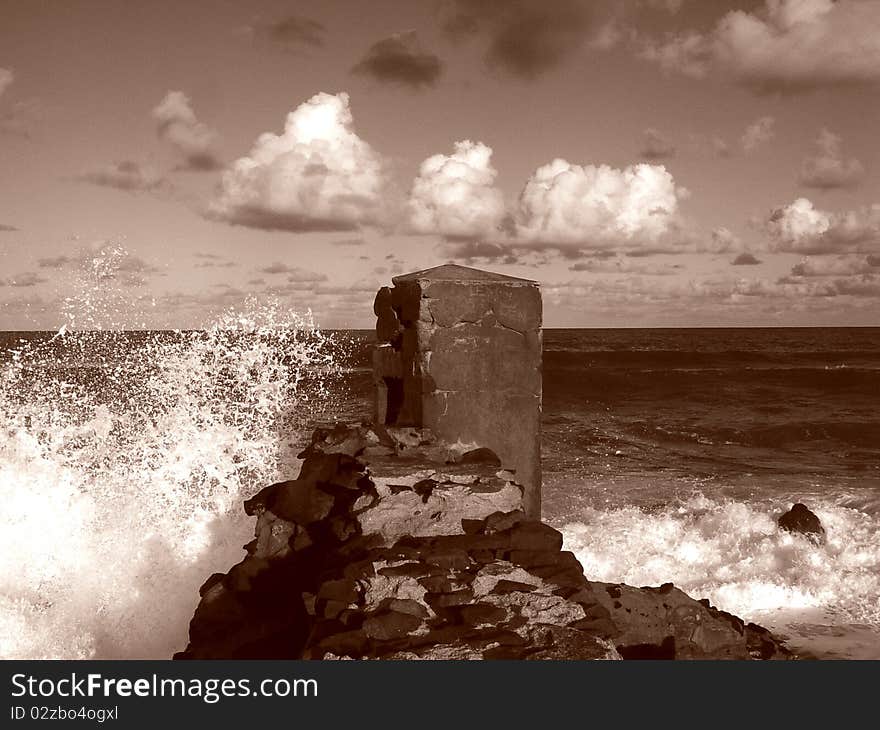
[
  {"x": 722, "y": 241},
  {"x": 293, "y": 32},
  {"x": 813, "y": 266},
  {"x": 54, "y": 262},
  {"x": 786, "y": 46},
  {"x": 318, "y": 175},
  {"x": 454, "y": 195},
  {"x": 215, "y": 264},
  {"x": 757, "y": 133},
  {"x": 688, "y": 53},
  {"x": 483, "y": 251},
  {"x": 800, "y": 227},
  {"x": 104, "y": 259},
  {"x": 655, "y": 146},
  {"x": 401, "y": 60},
  {"x": 623, "y": 265},
  {"x": 126, "y": 175},
  {"x": 25, "y": 279},
  {"x": 294, "y": 273},
  {"x": 745, "y": 259},
  {"x": 527, "y": 38},
  {"x": 796, "y": 45},
  {"x": 6, "y": 79},
  {"x": 589, "y": 207},
  {"x": 194, "y": 141},
  {"x": 828, "y": 169}
]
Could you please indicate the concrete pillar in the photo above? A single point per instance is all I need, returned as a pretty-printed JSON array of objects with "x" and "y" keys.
[{"x": 460, "y": 353}]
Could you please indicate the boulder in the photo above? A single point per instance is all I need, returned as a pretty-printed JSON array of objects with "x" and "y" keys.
[{"x": 800, "y": 519}]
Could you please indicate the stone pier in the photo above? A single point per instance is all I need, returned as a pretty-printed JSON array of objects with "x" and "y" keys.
[{"x": 459, "y": 353}]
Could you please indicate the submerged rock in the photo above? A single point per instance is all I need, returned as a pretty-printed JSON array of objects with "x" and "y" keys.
[
  {"x": 802, "y": 520},
  {"x": 423, "y": 554}
]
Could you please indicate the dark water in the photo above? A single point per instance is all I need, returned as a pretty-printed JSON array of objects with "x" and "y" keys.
[{"x": 668, "y": 454}]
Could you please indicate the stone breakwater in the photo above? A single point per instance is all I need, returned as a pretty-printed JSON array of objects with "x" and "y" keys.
[{"x": 391, "y": 544}]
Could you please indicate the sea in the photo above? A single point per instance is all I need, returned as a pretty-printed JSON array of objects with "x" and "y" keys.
[{"x": 668, "y": 455}]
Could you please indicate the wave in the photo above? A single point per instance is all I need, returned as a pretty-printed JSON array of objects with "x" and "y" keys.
[
  {"x": 733, "y": 553},
  {"x": 120, "y": 493}
]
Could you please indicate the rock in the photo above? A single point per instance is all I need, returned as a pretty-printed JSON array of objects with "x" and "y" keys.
[
  {"x": 348, "y": 561},
  {"x": 800, "y": 519},
  {"x": 390, "y": 625}
]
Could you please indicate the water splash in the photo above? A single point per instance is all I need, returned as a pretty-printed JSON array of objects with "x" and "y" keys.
[
  {"x": 124, "y": 458},
  {"x": 733, "y": 553}
]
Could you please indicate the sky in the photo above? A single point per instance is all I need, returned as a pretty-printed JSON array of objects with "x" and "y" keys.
[{"x": 667, "y": 163}]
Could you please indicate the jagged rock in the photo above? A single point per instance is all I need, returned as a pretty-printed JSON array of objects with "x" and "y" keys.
[
  {"x": 802, "y": 520},
  {"x": 350, "y": 561}
]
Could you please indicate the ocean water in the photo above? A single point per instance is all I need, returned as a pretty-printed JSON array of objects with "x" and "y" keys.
[{"x": 668, "y": 455}]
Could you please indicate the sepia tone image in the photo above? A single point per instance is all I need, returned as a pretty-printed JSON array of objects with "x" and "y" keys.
[{"x": 440, "y": 329}]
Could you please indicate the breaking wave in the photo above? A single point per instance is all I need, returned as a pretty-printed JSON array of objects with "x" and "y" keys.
[
  {"x": 123, "y": 462},
  {"x": 733, "y": 553}
]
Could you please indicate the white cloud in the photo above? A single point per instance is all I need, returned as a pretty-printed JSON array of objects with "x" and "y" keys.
[
  {"x": 178, "y": 125},
  {"x": 802, "y": 228},
  {"x": 786, "y": 45},
  {"x": 578, "y": 206},
  {"x": 454, "y": 195},
  {"x": 828, "y": 168},
  {"x": 318, "y": 175},
  {"x": 757, "y": 133}
]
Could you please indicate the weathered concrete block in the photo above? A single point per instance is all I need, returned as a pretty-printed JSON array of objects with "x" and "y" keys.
[{"x": 469, "y": 367}]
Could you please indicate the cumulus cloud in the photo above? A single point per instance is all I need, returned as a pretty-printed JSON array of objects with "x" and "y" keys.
[
  {"x": 6, "y": 79},
  {"x": 784, "y": 46},
  {"x": 757, "y": 133},
  {"x": 400, "y": 59},
  {"x": 317, "y": 175},
  {"x": 800, "y": 227},
  {"x": 655, "y": 146},
  {"x": 125, "y": 175},
  {"x": 745, "y": 259},
  {"x": 590, "y": 207},
  {"x": 802, "y": 44},
  {"x": 828, "y": 168},
  {"x": 526, "y": 38},
  {"x": 194, "y": 141},
  {"x": 455, "y": 196}
]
